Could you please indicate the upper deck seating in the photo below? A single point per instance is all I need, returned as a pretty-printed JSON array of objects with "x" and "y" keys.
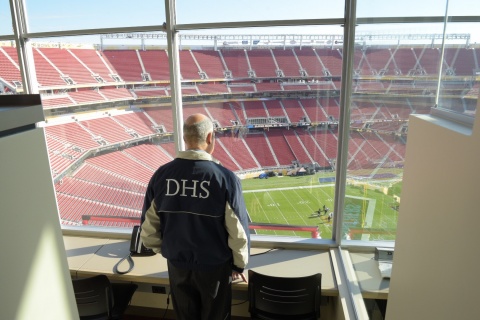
[
  {"x": 221, "y": 112},
  {"x": 297, "y": 147},
  {"x": 357, "y": 158},
  {"x": 294, "y": 111},
  {"x": 168, "y": 148},
  {"x": 156, "y": 64},
  {"x": 68, "y": 65},
  {"x": 328, "y": 142},
  {"x": 321, "y": 85},
  {"x": 236, "y": 146},
  {"x": 309, "y": 62},
  {"x": 189, "y": 109},
  {"x": 236, "y": 62},
  {"x": 188, "y": 68},
  {"x": 332, "y": 60},
  {"x": 210, "y": 62},
  {"x": 107, "y": 128},
  {"x": 122, "y": 165},
  {"x": 238, "y": 111},
  {"x": 379, "y": 58},
  {"x": 242, "y": 87},
  {"x": 9, "y": 69},
  {"x": 149, "y": 154},
  {"x": 314, "y": 111},
  {"x": 137, "y": 121},
  {"x": 212, "y": 88},
  {"x": 282, "y": 150},
  {"x": 86, "y": 96},
  {"x": 295, "y": 87},
  {"x": 54, "y": 101},
  {"x": 262, "y": 63},
  {"x": 313, "y": 148},
  {"x": 162, "y": 116},
  {"x": 369, "y": 87},
  {"x": 224, "y": 157},
  {"x": 71, "y": 208},
  {"x": 47, "y": 75},
  {"x": 258, "y": 144},
  {"x": 429, "y": 59},
  {"x": 101, "y": 193},
  {"x": 274, "y": 108},
  {"x": 330, "y": 106},
  {"x": 126, "y": 64},
  {"x": 461, "y": 60},
  {"x": 93, "y": 60},
  {"x": 72, "y": 133},
  {"x": 287, "y": 63},
  {"x": 61, "y": 155},
  {"x": 268, "y": 86},
  {"x": 113, "y": 94},
  {"x": 405, "y": 60},
  {"x": 361, "y": 65},
  {"x": 98, "y": 175},
  {"x": 255, "y": 109},
  {"x": 151, "y": 93}
]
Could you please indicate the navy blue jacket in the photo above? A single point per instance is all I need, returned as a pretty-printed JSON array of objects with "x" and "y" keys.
[{"x": 194, "y": 214}]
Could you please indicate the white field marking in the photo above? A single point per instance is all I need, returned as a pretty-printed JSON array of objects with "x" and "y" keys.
[
  {"x": 289, "y": 188},
  {"x": 278, "y": 209},
  {"x": 263, "y": 211}
]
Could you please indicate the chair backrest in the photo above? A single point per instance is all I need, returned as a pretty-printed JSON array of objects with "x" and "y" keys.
[
  {"x": 94, "y": 296},
  {"x": 284, "y": 298}
]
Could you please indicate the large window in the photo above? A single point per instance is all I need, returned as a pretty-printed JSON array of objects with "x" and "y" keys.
[
  {"x": 5, "y": 18},
  {"x": 320, "y": 149},
  {"x": 52, "y": 15},
  {"x": 251, "y": 10},
  {"x": 460, "y": 73}
]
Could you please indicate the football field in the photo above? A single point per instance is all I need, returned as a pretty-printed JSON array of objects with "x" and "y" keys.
[{"x": 297, "y": 200}]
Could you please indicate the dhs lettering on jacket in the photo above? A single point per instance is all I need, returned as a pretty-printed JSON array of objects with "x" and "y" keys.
[{"x": 188, "y": 188}]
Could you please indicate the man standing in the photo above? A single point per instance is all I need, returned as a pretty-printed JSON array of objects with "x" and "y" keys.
[{"x": 194, "y": 214}]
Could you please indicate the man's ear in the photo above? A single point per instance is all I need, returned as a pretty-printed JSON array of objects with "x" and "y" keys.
[{"x": 210, "y": 137}]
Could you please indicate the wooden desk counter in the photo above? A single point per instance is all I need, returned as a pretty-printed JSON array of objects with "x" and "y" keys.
[
  {"x": 90, "y": 256},
  {"x": 372, "y": 285}
]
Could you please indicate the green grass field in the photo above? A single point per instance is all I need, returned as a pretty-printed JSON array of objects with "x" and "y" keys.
[{"x": 295, "y": 200}]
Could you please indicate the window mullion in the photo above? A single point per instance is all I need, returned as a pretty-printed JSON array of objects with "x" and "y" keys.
[
  {"x": 344, "y": 118},
  {"x": 175, "y": 83}
]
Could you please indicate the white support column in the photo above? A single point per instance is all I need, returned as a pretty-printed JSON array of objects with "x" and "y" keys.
[
  {"x": 175, "y": 83},
  {"x": 24, "y": 49}
]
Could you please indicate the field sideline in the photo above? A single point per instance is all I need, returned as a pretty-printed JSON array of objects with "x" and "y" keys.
[{"x": 296, "y": 201}]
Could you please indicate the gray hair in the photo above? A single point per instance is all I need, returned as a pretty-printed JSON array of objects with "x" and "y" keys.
[{"x": 198, "y": 132}]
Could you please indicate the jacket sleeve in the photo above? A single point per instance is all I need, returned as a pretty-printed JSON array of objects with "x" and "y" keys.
[
  {"x": 151, "y": 235},
  {"x": 238, "y": 238}
]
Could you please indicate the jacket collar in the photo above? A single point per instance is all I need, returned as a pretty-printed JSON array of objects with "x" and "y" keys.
[{"x": 194, "y": 155}]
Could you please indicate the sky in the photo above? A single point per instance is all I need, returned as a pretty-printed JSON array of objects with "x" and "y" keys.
[{"x": 51, "y": 15}]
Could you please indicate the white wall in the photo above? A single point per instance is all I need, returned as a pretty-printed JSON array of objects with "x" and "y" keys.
[
  {"x": 436, "y": 268},
  {"x": 34, "y": 277}
]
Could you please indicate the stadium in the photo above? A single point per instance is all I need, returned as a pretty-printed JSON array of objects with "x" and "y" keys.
[
  {"x": 275, "y": 103},
  {"x": 351, "y": 124}
]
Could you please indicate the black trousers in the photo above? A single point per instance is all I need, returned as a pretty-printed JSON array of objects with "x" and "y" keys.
[{"x": 202, "y": 295}]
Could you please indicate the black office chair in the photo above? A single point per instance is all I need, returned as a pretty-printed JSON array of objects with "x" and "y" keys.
[
  {"x": 278, "y": 298},
  {"x": 98, "y": 299}
]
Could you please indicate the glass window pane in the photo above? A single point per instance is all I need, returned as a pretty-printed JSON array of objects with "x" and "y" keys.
[
  {"x": 10, "y": 79},
  {"x": 275, "y": 103},
  {"x": 251, "y": 10},
  {"x": 5, "y": 18},
  {"x": 51, "y": 15},
  {"x": 395, "y": 75},
  {"x": 409, "y": 8},
  {"x": 459, "y": 85},
  {"x": 104, "y": 137}
]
